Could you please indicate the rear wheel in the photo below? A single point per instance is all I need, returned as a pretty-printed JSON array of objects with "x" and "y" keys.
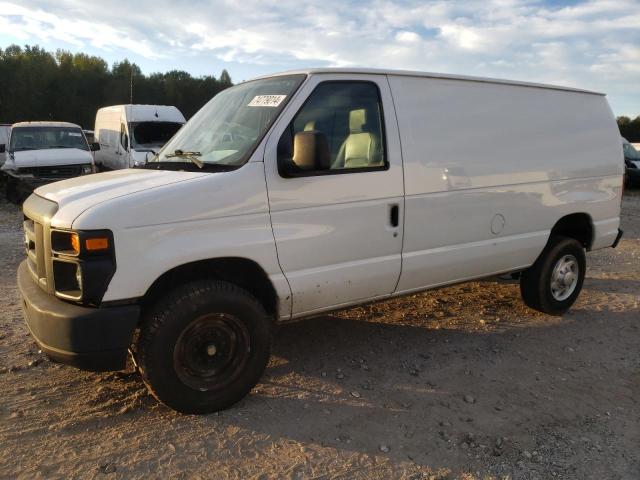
[
  {"x": 203, "y": 347},
  {"x": 552, "y": 284}
]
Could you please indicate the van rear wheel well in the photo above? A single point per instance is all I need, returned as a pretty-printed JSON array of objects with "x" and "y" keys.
[
  {"x": 577, "y": 226},
  {"x": 241, "y": 272}
]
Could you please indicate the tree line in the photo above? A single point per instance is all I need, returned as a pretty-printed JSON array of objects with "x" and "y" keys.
[
  {"x": 39, "y": 85},
  {"x": 630, "y": 129}
]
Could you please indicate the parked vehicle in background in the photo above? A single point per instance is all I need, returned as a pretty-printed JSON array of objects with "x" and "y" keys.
[
  {"x": 129, "y": 135},
  {"x": 306, "y": 192},
  {"x": 631, "y": 164},
  {"x": 5, "y": 131},
  {"x": 88, "y": 134},
  {"x": 43, "y": 152}
]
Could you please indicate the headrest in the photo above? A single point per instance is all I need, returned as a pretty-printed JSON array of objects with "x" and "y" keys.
[
  {"x": 310, "y": 125},
  {"x": 311, "y": 151},
  {"x": 357, "y": 119}
]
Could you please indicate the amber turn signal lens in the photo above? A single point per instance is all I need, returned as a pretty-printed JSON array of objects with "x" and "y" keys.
[
  {"x": 75, "y": 243},
  {"x": 93, "y": 244}
]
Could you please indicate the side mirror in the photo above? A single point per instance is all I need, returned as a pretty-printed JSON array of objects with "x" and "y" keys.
[
  {"x": 95, "y": 146},
  {"x": 3, "y": 148},
  {"x": 310, "y": 153}
]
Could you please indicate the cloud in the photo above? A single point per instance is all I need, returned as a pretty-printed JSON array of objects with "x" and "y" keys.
[
  {"x": 462, "y": 37},
  {"x": 590, "y": 44},
  {"x": 407, "y": 37},
  {"x": 28, "y": 23}
]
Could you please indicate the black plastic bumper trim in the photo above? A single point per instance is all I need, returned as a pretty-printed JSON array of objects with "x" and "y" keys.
[
  {"x": 88, "y": 338},
  {"x": 617, "y": 240}
]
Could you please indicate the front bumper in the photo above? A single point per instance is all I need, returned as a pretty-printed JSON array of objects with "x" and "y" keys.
[
  {"x": 29, "y": 180},
  {"x": 23, "y": 186},
  {"x": 94, "y": 339}
]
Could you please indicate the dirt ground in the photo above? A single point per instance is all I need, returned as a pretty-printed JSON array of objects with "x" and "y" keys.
[{"x": 462, "y": 382}]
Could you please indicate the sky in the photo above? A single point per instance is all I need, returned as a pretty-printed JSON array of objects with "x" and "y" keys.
[{"x": 593, "y": 45}]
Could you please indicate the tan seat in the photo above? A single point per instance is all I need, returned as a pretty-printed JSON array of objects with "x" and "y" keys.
[
  {"x": 361, "y": 148},
  {"x": 310, "y": 126}
]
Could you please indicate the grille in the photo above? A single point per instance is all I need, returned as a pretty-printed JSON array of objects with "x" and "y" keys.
[
  {"x": 37, "y": 217},
  {"x": 34, "y": 247},
  {"x": 56, "y": 171}
]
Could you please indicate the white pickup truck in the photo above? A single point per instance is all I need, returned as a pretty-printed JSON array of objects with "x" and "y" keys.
[
  {"x": 305, "y": 192},
  {"x": 43, "y": 152}
]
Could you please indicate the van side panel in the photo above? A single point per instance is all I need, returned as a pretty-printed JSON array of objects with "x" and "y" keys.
[
  {"x": 490, "y": 169},
  {"x": 107, "y": 134}
]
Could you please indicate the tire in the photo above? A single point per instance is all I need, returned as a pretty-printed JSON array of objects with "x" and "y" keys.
[
  {"x": 11, "y": 191},
  {"x": 204, "y": 346},
  {"x": 537, "y": 286}
]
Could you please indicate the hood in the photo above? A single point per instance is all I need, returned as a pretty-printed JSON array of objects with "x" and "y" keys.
[
  {"x": 142, "y": 155},
  {"x": 51, "y": 157},
  {"x": 75, "y": 195}
]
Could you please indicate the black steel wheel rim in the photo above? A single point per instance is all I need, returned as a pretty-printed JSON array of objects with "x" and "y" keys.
[{"x": 212, "y": 351}]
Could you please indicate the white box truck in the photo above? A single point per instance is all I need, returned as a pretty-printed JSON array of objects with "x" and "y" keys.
[
  {"x": 306, "y": 192},
  {"x": 129, "y": 135}
]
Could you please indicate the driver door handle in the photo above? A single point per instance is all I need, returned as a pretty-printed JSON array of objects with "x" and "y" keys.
[{"x": 394, "y": 215}]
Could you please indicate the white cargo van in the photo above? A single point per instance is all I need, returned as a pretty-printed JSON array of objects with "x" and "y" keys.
[
  {"x": 43, "y": 152},
  {"x": 129, "y": 135},
  {"x": 305, "y": 192}
]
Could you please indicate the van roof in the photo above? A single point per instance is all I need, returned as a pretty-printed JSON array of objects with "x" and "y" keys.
[
  {"x": 45, "y": 124},
  {"x": 141, "y": 112},
  {"x": 410, "y": 73}
]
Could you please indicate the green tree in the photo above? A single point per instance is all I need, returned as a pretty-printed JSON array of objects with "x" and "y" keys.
[
  {"x": 630, "y": 129},
  {"x": 40, "y": 85},
  {"x": 225, "y": 79}
]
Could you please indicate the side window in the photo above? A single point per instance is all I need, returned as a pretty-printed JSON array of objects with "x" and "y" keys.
[{"x": 339, "y": 129}]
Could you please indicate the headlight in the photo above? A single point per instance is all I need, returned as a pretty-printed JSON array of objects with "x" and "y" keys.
[
  {"x": 65, "y": 243},
  {"x": 86, "y": 169},
  {"x": 83, "y": 264}
]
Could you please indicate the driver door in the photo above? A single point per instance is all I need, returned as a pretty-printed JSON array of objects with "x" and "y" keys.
[{"x": 338, "y": 227}]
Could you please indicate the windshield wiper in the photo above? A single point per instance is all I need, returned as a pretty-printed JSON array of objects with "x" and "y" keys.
[{"x": 191, "y": 156}]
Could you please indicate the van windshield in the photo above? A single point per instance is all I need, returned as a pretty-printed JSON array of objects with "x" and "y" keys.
[
  {"x": 152, "y": 134},
  {"x": 228, "y": 128},
  {"x": 42, "y": 138}
]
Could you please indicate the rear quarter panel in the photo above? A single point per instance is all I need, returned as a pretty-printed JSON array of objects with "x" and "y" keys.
[{"x": 490, "y": 168}]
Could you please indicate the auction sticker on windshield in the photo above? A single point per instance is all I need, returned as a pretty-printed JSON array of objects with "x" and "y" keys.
[{"x": 266, "y": 100}]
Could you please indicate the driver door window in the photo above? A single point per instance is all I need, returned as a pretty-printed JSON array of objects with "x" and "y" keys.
[{"x": 338, "y": 130}]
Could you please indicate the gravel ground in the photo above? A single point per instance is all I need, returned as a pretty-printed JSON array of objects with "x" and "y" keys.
[{"x": 462, "y": 382}]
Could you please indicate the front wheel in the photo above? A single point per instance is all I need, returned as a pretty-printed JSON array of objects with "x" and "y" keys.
[
  {"x": 552, "y": 284},
  {"x": 203, "y": 347}
]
